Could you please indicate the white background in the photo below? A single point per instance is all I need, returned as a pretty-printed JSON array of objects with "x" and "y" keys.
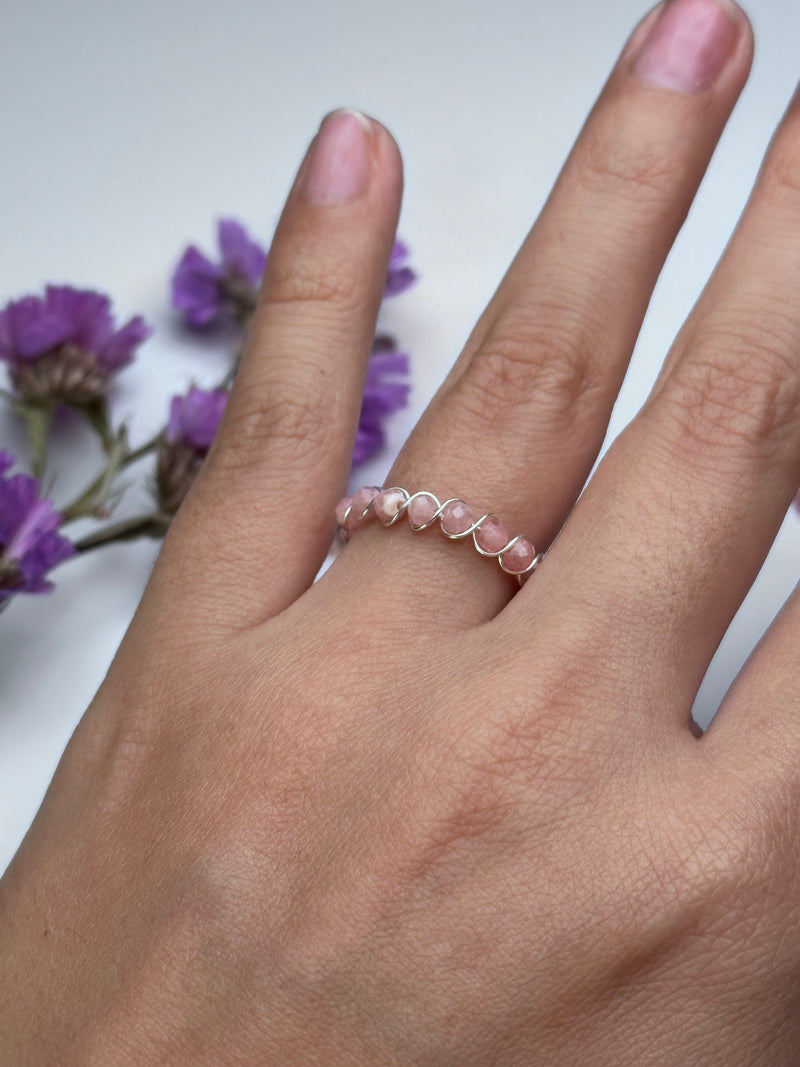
[{"x": 127, "y": 128}]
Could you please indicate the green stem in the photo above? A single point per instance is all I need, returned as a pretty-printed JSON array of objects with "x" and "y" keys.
[
  {"x": 149, "y": 446},
  {"x": 93, "y": 499},
  {"x": 97, "y": 416},
  {"x": 155, "y": 525},
  {"x": 96, "y": 494},
  {"x": 39, "y": 419},
  {"x": 87, "y": 503}
]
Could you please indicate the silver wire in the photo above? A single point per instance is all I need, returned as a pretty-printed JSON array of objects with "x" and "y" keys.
[{"x": 472, "y": 531}]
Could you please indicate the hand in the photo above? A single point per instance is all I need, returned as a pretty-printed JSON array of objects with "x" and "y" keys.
[{"x": 403, "y": 816}]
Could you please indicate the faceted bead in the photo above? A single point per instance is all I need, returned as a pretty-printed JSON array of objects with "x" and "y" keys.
[
  {"x": 361, "y": 501},
  {"x": 342, "y": 507},
  {"x": 457, "y": 517},
  {"x": 492, "y": 535},
  {"x": 421, "y": 510},
  {"x": 520, "y": 556},
  {"x": 388, "y": 503}
]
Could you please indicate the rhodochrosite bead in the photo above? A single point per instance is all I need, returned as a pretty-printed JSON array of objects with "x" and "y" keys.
[
  {"x": 516, "y": 555},
  {"x": 341, "y": 508},
  {"x": 492, "y": 535},
  {"x": 388, "y": 502},
  {"x": 519, "y": 557},
  {"x": 421, "y": 509},
  {"x": 357, "y": 505},
  {"x": 362, "y": 500},
  {"x": 456, "y": 517}
]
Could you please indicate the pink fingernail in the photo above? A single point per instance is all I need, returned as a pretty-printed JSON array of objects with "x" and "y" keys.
[
  {"x": 689, "y": 45},
  {"x": 338, "y": 165}
]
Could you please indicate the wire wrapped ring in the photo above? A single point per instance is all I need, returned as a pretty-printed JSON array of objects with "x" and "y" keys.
[{"x": 516, "y": 555}]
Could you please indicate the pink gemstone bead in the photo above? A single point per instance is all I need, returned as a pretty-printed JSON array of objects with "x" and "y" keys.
[
  {"x": 388, "y": 503},
  {"x": 421, "y": 510},
  {"x": 342, "y": 507},
  {"x": 457, "y": 517},
  {"x": 519, "y": 557},
  {"x": 361, "y": 501},
  {"x": 492, "y": 535}
]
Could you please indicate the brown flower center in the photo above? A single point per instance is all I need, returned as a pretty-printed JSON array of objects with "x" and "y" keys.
[
  {"x": 177, "y": 468},
  {"x": 68, "y": 374},
  {"x": 10, "y": 576},
  {"x": 240, "y": 298}
]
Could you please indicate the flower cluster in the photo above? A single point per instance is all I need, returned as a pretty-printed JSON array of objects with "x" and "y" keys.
[
  {"x": 63, "y": 349},
  {"x": 385, "y": 391},
  {"x": 210, "y": 293},
  {"x": 193, "y": 422},
  {"x": 30, "y": 544}
]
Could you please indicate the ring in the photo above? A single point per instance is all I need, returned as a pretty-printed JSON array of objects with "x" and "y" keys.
[{"x": 516, "y": 555}]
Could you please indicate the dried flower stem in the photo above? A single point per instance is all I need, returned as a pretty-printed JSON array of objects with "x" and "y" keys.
[
  {"x": 154, "y": 525},
  {"x": 94, "y": 498},
  {"x": 139, "y": 453},
  {"x": 38, "y": 419}
]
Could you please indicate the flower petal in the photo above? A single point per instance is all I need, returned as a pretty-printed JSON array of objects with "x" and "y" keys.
[
  {"x": 29, "y": 539},
  {"x": 33, "y": 328},
  {"x": 241, "y": 255},
  {"x": 370, "y": 438},
  {"x": 88, "y": 313},
  {"x": 6, "y": 346},
  {"x": 196, "y": 287},
  {"x": 120, "y": 348},
  {"x": 46, "y": 552},
  {"x": 381, "y": 396},
  {"x": 194, "y": 418},
  {"x": 399, "y": 276}
]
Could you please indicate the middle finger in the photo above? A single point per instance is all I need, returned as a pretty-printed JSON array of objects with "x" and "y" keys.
[{"x": 517, "y": 425}]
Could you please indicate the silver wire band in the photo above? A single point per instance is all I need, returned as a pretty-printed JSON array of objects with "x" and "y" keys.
[{"x": 349, "y": 522}]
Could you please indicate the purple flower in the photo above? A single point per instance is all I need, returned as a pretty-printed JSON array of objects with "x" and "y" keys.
[
  {"x": 63, "y": 347},
  {"x": 193, "y": 422},
  {"x": 194, "y": 418},
  {"x": 400, "y": 276},
  {"x": 383, "y": 394},
  {"x": 211, "y": 293},
  {"x": 29, "y": 543}
]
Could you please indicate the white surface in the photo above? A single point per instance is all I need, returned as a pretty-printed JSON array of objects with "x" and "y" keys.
[{"x": 127, "y": 128}]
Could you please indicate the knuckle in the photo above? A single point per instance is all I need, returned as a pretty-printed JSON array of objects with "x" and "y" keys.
[
  {"x": 636, "y": 169},
  {"x": 780, "y": 179},
  {"x": 307, "y": 282},
  {"x": 550, "y": 367},
  {"x": 737, "y": 391},
  {"x": 275, "y": 420}
]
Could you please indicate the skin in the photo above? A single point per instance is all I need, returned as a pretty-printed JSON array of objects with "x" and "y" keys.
[{"x": 404, "y": 816}]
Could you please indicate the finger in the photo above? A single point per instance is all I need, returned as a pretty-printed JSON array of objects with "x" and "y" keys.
[
  {"x": 683, "y": 509},
  {"x": 757, "y": 727},
  {"x": 257, "y": 525},
  {"x": 753, "y": 744},
  {"x": 518, "y": 423}
]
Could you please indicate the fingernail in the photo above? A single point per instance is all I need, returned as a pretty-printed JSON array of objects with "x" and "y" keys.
[
  {"x": 689, "y": 45},
  {"x": 338, "y": 163}
]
